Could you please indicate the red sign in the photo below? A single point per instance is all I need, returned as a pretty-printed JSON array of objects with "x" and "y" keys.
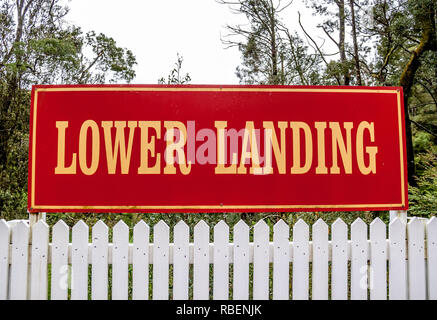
[{"x": 216, "y": 149}]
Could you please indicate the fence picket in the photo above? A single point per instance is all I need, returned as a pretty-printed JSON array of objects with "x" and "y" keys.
[
  {"x": 359, "y": 257},
  {"x": 79, "y": 261},
  {"x": 378, "y": 260},
  {"x": 181, "y": 256},
  {"x": 221, "y": 262},
  {"x": 416, "y": 260},
  {"x": 120, "y": 267},
  {"x": 261, "y": 261},
  {"x": 339, "y": 274},
  {"x": 99, "y": 261},
  {"x": 300, "y": 260},
  {"x": 241, "y": 261},
  {"x": 19, "y": 261},
  {"x": 201, "y": 261},
  {"x": 5, "y": 236},
  {"x": 39, "y": 256},
  {"x": 320, "y": 290},
  {"x": 431, "y": 236},
  {"x": 59, "y": 284},
  {"x": 281, "y": 261},
  {"x": 397, "y": 263},
  {"x": 161, "y": 233},
  {"x": 140, "y": 262}
]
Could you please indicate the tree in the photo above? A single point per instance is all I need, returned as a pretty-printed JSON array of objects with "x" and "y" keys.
[
  {"x": 301, "y": 67},
  {"x": 355, "y": 42},
  {"x": 334, "y": 12},
  {"x": 424, "y": 13},
  {"x": 401, "y": 36},
  {"x": 260, "y": 42},
  {"x": 38, "y": 46},
  {"x": 175, "y": 76}
]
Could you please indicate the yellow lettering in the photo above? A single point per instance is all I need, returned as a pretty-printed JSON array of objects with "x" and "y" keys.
[
  {"x": 321, "y": 167},
  {"x": 249, "y": 137},
  {"x": 271, "y": 141},
  {"x": 338, "y": 144},
  {"x": 61, "y": 168},
  {"x": 89, "y": 124},
  {"x": 371, "y": 151},
  {"x": 221, "y": 151},
  {"x": 120, "y": 145},
  {"x": 177, "y": 147},
  {"x": 297, "y": 168},
  {"x": 149, "y": 146}
]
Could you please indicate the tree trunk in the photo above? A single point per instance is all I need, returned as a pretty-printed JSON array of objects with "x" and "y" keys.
[
  {"x": 341, "y": 43},
  {"x": 274, "y": 52},
  {"x": 354, "y": 36},
  {"x": 427, "y": 43}
]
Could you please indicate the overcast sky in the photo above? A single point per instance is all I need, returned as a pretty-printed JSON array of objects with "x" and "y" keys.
[{"x": 155, "y": 30}]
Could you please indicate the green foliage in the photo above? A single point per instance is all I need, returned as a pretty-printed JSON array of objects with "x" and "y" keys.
[
  {"x": 175, "y": 76},
  {"x": 38, "y": 46},
  {"x": 423, "y": 198}
]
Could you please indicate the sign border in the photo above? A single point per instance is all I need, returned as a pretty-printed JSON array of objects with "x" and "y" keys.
[{"x": 32, "y": 207}]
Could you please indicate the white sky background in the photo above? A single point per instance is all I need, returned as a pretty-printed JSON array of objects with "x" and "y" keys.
[{"x": 155, "y": 30}]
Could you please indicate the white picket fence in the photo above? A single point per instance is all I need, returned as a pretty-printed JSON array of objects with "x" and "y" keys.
[{"x": 378, "y": 267}]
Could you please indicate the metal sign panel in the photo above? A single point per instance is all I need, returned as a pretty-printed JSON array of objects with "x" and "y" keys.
[{"x": 216, "y": 149}]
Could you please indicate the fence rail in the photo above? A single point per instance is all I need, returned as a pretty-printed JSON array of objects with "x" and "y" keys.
[{"x": 376, "y": 261}]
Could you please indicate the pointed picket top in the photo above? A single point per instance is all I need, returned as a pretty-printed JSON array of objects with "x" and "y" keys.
[
  {"x": 221, "y": 226},
  {"x": 416, "y": 231},
  {"x": 320, "y": 232},
  {"x": 378, "y": 230},
  {"x": 60, "y": 227},
  {"x": 261, "y": 226},
  {"x": 432, "y": 223},
  {"x": 301, "y": 223},
  {"x": 320, "y": 226},
  {"x": 281, "y": 236},
  {"x": 280, "y": 226},
  {"x": 4, "y": 230},
  {"x": 240, "y": 225},
  {"x": 40, "y": 226},
  {"x": 339, "y": 224},
  {"x": 181, "y": 232},
  {"x": 358, "y": 230},
  {"x": 414, "y": 221},
  {"x": 300, "y": 228},
  {"x": 141, "y": 226},
  {"x": 80, "y": 226},
  {"x": 397, "y": 223},
  {"x": 4, "y": 226},
  {"x": 417, "y": 225},
  {"x": 201, "y": 225},
  {"x": 431, "y": 231},
  {"x": 221, "y": 236},
  {"x": 161, "y": 225},
  {"x": 181, "y": 225},
  {"x": 120, "y": 234},
  {"x": 100, "y": 226},
  {"x": 358, "y": 223},
  {"x": 20, "y": 228},
  {"x": 377, "y": 223},
  {"x": 121, "y": 226},
  {"x": 397, "y": 228}
]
